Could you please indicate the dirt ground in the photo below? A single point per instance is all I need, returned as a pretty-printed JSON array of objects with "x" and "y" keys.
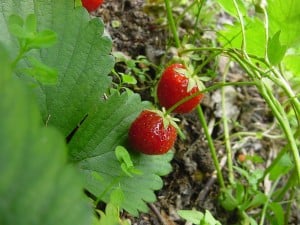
[{"x": 192, "y": 184}]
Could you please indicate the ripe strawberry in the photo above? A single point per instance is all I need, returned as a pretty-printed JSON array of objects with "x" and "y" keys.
[
  {"x": 174, "y": 85},
  {"x": 91, "y": 5},
  {"x": 152, "y": 133}
]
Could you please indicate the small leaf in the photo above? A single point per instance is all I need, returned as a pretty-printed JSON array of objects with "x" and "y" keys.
[
  {"x": 77, "y": 3},
  {"x": 209, "y": 219},
  {"x": 111, "y": 215},
  {"x": 283, "y": 166},
  {"x": 41, "y": 72},
  {"x": 123, "y": 156},
  {"x": 275, "y": 51},
  {"x": 278, "y": 216},
  {"x": 191, "y": 216},
  {"x": 15, "y": 26},
  {"x": 227, "y": 200},
  {"x": 43, "y": 39},
  {"x": 128, "y": 79},
  {"x": 30, "y": 24},
  {"x": 117, "y": 197},
  {"x": 240, "y": 192},
  {"x": 257, "y": 200}
]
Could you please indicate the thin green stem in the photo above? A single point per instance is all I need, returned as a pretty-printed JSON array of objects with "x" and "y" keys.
[
  {"x": 172, "y": 23},
  {"x": 275, "y": 106},
  {"x": 179, "y": 18},
  {"x": 240, "y": 17},
  {"x": 283, "y": 121},
  {"x": 18, "y": 58},
  {"x": 264, "y": 210},
  {"x": 226, "y": 129},
  {"x": 288, "y": 208},
  {"x": 266, "y": 25},
  {"x": 255, "y": 134},
  {"x": 211, "y": 146},
  {"x": 198, "y": 13}
]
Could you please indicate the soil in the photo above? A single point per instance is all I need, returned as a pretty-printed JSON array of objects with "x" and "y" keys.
[{"x": 192, "y": 183}]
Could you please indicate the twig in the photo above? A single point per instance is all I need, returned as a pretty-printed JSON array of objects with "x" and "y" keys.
[
  {"x": 157, "y": 213},
  {"x": 203, "y": 194}
]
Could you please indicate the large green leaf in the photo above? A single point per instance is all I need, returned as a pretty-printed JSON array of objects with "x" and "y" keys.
[
  {"x": 231, "y": 36},
  {"x": 284, "y": 19},
  {"x": 228, "y": 6},
  {"x": 36, "y": 186},
  {"x": 292, "y": 63},
  {"x": 92, "y": 149},
  {"x": 81, "y": 57},
  {"x": 284, "y": 16}
]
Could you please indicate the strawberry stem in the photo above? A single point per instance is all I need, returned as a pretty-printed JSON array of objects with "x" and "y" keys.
[
  {"x": 172, "y": 23},
  {"x": 211, "y": 88},
  {"x": 212, "y": 149}
]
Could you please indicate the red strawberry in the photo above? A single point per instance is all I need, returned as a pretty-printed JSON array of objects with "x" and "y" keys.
[
  {"x": 91, "y": 5},
  {"x": 175, "y": 85},
  {"x": 152, "y": 133}
]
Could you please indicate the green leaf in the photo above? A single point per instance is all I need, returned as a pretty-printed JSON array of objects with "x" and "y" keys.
[
  {"x": 111, "y": 215},
  {"x": 43, "y": 39},
  {"x": 41, "y": 72},
  {"x": 284, "y": 16},
  {"x": 257, "y": 200},
  {"x": 209, "y": 219},
  {"x": 277, "y": 217},
  {"x": 81, "y": 56},
  {"x": 5, "y": 70},
  {"x": 117, "y": 197},
  {"x": 228, "y": 6},
  {"x": 276, "y": 51},
  {"x": 125, "y": 161},
  {"x": 37, "y": 186},
  {"x": 291, "y": 62},
  {"x": 231, "y": 36},
  {"x": 92, "y": 150},
  {"x": 283, "y": 166},
  {"x": 123, "y": 156},
  {"x": 15, "y": 26},
  {"x": 78, "y": 3},
  {"x": 128, "y": 79},
  {"x": 227, "y": 200},
  {"x": 192, "y": 216},
  {"x": 31, "y": 23},
  {"x": 197, "y": 217}
]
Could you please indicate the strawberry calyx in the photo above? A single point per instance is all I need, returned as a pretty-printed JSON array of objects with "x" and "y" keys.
[
  {"x": 166, "y": 117},
  {"x": 193, "y": 80}
]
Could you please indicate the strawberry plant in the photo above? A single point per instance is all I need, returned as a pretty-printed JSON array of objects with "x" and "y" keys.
[
  {"x": 261, "y": 44},
  {"x": 67, "y": 96},
  {"x": 73, "y": 138}
]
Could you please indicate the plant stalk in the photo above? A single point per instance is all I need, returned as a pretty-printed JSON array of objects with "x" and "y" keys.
[
  {"x": 212, "y": 149},
  {"x": 172, "y": 23},
  {"x": 226, "y": 130}
]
